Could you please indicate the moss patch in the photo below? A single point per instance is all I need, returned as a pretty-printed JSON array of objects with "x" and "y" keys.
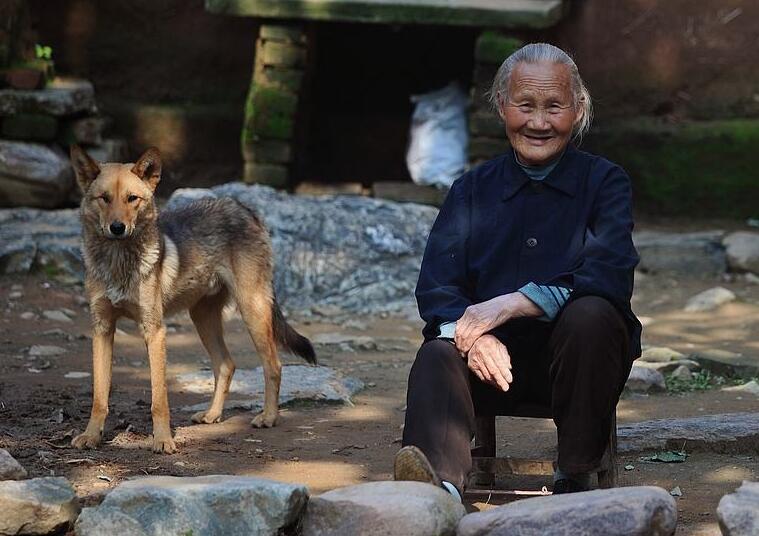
[
  {"x": 269, "y": 113},
  {"x": 493, "y": 47},
  {"x": 696, "y": 169}
]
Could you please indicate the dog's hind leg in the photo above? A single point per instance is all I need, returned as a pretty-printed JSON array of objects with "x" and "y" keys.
[
  {"x": 207, "y": 317},
  {"x": 254, "y": 299}
]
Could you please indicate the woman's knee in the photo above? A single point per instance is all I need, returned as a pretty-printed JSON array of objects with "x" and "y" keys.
[
  {"x": 437, "y": 358},
  {"x": 588, "y": 315}
]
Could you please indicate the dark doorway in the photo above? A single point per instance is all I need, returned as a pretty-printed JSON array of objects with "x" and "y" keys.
[{"x": 358, "y": 108}]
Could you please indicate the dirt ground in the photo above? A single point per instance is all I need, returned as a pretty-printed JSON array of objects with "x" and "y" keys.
[{"x": 324, "y": 446}]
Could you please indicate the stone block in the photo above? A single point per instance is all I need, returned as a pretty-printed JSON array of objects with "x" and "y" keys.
[
  {"x": 281, "y": 54},
  {"x": 268, "y": 152},
  {"x": 37, "y": 506},
  {"x": 275, "y": 175},
  {"x": 84, "y": 131},
  {"x": 486, "y": 125},
  {"x": 408, "y": 192},
  {"x": 30, "y": 127},
  {"x": 487, "y": 148},
  {"x": 698, "y": 254},
  {"x": 285, "y": 34},
  {"x": 383, "y": 508}
]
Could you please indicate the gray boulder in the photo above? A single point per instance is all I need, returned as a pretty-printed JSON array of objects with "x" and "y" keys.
[
  {"x": 33, "y": 239},
  {"x": 37, "y": 506},
  {"x": 645, "y": 380},
  {"x": 742, "y": 249},
  {"x": 358, "y": 254},
  {"x": 383, "y": 508},
  {"x": 208, "y": 505},
  {"x": 642, "y": 510},
  {"x": 10, "y": 469},
  {"x": 668, "y": 366},
  {"x": 33, "y": 175},
  {"x": 709, "y": 300},
  {"x": 738, "y": 513},
  {"x": 300, "y": 383},
  {"x": 725, "y": 363},
  {"x": 697, "y": 254},
  {"x": 62, "y": 97}
]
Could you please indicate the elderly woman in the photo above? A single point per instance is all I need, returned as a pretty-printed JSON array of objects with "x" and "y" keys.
[{"x": 525, "y": 286}]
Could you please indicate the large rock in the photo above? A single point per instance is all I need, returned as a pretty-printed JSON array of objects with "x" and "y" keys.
[
  {"x": 709, "y": 300},
  {"x": 645, "y": 380},
  {"x": 63, "y": 96},
  {"x": 300, "y": 383},
  {"x": 660, "y": 354},
  {"x": 359, "y": 254},
  {"x": 217, "y": 504},
  {"x": 695, "y": 254},
  {"x": 33, "y": 175},
  {"x": 643, "y": 510},
  {"x": 10, "y": 469},
  {"x": 731, "y": 433},
  {"x": 383, "y": 508},
  {"x": 742, "y": 250},
  {"x": 738, "y": 513},
  {"x": 37, "y": 506}
]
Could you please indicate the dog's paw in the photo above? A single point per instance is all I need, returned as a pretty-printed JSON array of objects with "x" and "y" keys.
[
  {"x": 164, "y": 445},
  {"x": 86, "y": 441},
  {"x": 205, "y": 417},
  {"x": 262, "y": 420}
]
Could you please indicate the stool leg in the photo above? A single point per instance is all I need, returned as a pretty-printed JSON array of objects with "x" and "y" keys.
[
  {"x": 484, "y": 447},
  {"x": 608, "y": 476}
]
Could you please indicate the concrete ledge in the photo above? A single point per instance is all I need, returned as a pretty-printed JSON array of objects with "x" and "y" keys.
[{"x": 489, "y": 13}]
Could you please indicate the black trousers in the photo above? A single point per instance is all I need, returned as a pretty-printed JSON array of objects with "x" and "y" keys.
[{"x": 578, "y": 364}]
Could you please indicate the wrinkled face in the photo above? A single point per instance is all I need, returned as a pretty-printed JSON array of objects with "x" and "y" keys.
[
  {"x": 117, "y": 196},
  {"x": 539, "y": 111}
]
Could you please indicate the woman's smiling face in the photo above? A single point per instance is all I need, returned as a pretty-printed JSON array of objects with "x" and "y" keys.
[{"x": 539, "y": 111}]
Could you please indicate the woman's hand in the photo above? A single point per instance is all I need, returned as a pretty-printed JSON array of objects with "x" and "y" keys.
[
  {"x": 480, "y": 318},
  {"x": 490, "y": 361}
]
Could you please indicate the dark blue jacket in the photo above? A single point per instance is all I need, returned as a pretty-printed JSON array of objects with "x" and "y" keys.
[{"x": 498, "y": 230}]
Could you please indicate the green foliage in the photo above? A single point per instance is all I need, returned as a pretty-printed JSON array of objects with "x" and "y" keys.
[
  {"x": 701, "y": 381},
  {"x": 43, "y": 52}
]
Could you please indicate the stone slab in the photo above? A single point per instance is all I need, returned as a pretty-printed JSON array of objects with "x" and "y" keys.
[
  {"x": 10, "y": 469},
  {"x": 488, "y": 13},
  {"x": 697, "y": 254},
  {"x": 725, "y": 363},
  {"x": 63, "y": 96},
  {"x": 300, "y": 384},
  {"x": 33, "y": 175},
  {"x": 730, "y": 433}
]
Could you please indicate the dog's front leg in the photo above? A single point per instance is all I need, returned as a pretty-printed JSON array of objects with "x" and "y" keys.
[
  {"x": 155, "y": 340},
  {"x": 102, "y": 355}
]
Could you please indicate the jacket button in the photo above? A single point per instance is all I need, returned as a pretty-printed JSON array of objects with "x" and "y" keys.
[{"x": 532, "y": 242}]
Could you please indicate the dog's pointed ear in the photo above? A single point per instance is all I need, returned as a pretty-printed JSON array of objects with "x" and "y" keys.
[
  {"x": 148, "y": 167},
  {"x": 85, "y": 168}
]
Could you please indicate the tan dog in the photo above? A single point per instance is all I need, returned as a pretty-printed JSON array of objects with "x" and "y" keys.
[{"x": 200, "y": 257}]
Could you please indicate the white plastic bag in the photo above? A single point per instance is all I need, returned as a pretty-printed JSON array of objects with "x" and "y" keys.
[{"x": 437, "y": 153}]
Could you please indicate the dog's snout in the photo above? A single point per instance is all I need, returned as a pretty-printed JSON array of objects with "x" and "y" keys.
[{"x": 117, "y": 228}]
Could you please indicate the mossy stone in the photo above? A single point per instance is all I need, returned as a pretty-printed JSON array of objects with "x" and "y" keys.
[{"x": 493, "y": 47}]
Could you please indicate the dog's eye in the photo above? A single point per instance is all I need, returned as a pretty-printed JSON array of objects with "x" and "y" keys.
[{"x": 132, "y": 198}]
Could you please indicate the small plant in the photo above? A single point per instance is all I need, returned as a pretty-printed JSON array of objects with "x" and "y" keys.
[
  {"x": 700, "y": 381},
  {"x": 43, "y": 52}
]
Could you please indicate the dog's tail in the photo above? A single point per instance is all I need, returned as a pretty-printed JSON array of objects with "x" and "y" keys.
[{"x": 290, "y": 339}]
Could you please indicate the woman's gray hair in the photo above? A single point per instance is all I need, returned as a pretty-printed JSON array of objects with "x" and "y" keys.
[{"x": 537, "y": 53}]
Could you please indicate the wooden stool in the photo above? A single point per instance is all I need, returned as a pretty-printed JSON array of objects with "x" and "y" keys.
[{"x": 486, "y": 466}]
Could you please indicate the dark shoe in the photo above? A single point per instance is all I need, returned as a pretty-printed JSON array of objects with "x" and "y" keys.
[
  {"x": 567, "y": 485},
  {"x": 412, "y": 464}
]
